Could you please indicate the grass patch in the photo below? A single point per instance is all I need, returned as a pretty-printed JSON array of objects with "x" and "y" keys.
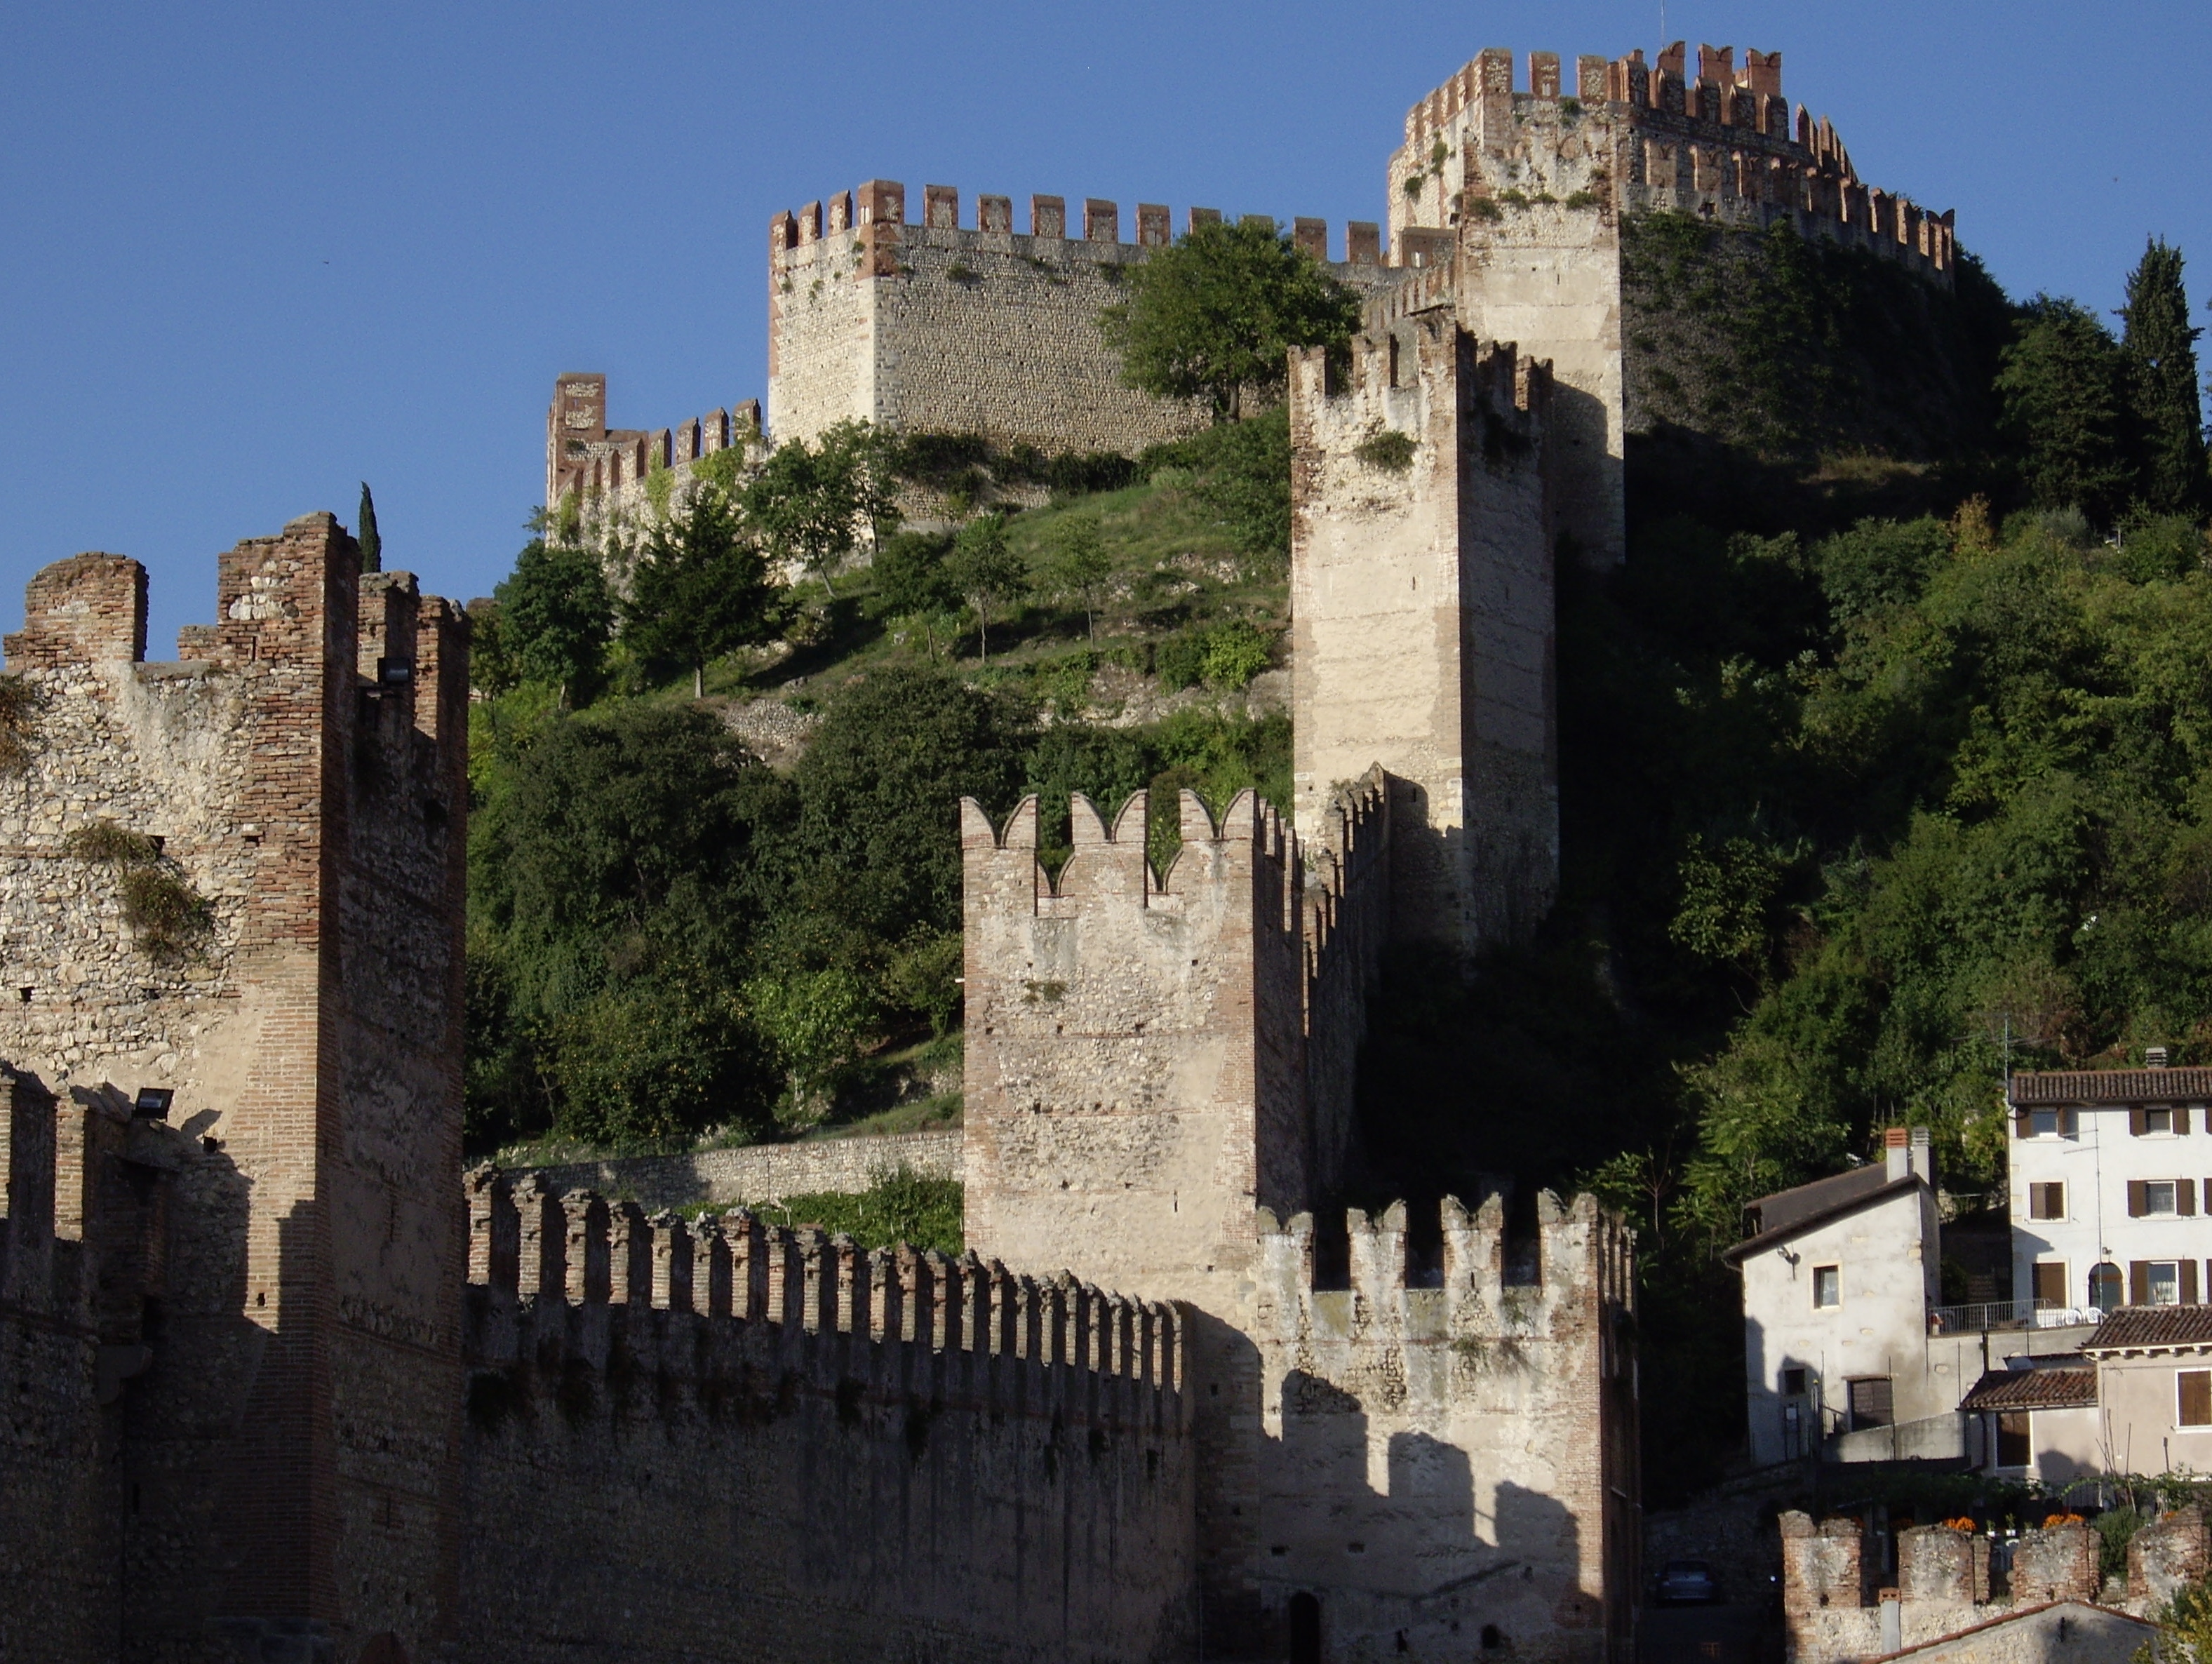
[{"x": 900, "y": 1206}]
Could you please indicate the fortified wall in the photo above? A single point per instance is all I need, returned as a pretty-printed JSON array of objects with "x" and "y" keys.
[
  {"x": 198, "y": 897},
  {"x": 1951, "y": 1583},
  {"x": 1422, "y": 633},
  {"x": 1157, "y": 1070},
  {"x": 1524, "y": 193},
  {"x": 684, "y": 1434},
  {"x": 939, "y": 326},
  {"x": 1437, "y": 1427},
  {"x": 607, "y": 469}
]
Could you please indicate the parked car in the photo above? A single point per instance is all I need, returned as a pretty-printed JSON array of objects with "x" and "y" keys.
[{"x": 1688, "y": 1583}]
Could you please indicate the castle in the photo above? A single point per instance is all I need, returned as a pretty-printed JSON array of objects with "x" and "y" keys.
[{"x": 282, "y": 1384}]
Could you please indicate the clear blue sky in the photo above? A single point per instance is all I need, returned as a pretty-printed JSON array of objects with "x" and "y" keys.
[{"x": 254, "y": 253}]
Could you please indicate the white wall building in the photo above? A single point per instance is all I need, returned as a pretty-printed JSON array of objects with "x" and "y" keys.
[
  {"x": 2109, "y": 1173},
  {"x": 1837, "y": 1284}
]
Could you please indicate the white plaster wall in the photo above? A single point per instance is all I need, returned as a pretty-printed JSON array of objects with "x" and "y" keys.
[
  {"x": 1887, "y": 1252},
  {"x": 2095, "y": 1165},
  {"x": 2136, "y": 1397}
]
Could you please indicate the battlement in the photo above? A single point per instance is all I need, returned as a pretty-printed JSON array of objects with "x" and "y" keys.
[
  {"x": 874, "y": 216},
  {"x": 1110, "y": 867},
  {"x": 1721, "y": 141},
  {"x": 585, "y": 456},
  {"x": 1584, "y": 1262},
  {"x": 557, "y": 1271}
]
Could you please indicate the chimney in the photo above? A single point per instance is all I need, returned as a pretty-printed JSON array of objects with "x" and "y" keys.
[
  {"x": 2155, "y": 1057},
  {"x": 1924, "y": 1156},
  {"x": 1897, "y": 1147}
]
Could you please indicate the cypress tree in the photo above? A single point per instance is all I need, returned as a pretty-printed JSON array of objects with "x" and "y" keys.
[
  {"x": 2064, "y": 413},
  {"x": 372, "y": 546},
  {"x": 2160, "y": 351}
]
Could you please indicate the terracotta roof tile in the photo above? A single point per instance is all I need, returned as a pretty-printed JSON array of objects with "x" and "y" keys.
[
  {"x": 2063, "y": 1388},
  {"x": 2112, "y": 1085},
  {"x": 2135, "y": 1327}
]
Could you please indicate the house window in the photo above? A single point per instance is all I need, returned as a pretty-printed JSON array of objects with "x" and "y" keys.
[
  {"x": 1793, "y": 1382},
  {"x": 1827, "y": 1285},
  {"x": 2108, "y": 1288},
  {"x": 2162, "y": 1283},
  {"x": 2158, "y": 1118},
  {"x": 2015, "y": 1447},
  {"x": 1870, "y": 1402},
  {"x": 2153, "y": 1199},
  {"x": 2192, "y": 1393},
  {"x": 2047, "y": 1201},
  {"x": 2050, "y": 1281},
  {"x": 2043, "y": 1123}
]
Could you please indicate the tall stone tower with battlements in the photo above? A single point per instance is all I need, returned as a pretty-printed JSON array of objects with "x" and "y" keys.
[{"x": 230, "y": 895}]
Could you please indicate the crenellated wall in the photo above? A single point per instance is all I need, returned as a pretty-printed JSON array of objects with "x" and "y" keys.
[
  {"x": 930, "y": 325},
  {"x": 680, "y": 1434},
  {"x": 601, "y": 472},
  {"x": 291, "y": 794},
  {"x": 1452, "y": 1445},
  {"x": 1422, "y": 620}
]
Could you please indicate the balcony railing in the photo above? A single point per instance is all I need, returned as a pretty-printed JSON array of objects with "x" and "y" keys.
[{"x": 2007, "y": 1314}]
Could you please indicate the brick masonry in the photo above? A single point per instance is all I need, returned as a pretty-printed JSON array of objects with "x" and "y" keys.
[{"x": 285, "y": 1442}]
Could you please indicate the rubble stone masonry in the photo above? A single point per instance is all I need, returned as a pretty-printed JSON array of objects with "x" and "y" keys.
[{"x": 277, "y": 1318}]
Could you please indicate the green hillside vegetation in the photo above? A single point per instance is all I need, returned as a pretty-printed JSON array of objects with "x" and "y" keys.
[{"x": 1858, "y": 810}]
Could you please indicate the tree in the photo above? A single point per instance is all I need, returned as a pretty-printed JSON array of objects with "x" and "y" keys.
[
  {"x": 701, "y": 588},
  {"x": 2159, "y": 351},
  {"x": 1078, "y": 564},
  {"x": 912, "y": 580},
  {"x": 2060, "y": 392},
  {"x": 557, "y": 614},
  {"x": 984, "y": 567},
  {"x": 812, "y": 502},
  {"x": 372, "y": 546},
  {"x": 878, "y": 849},
  {"x": 1216, "y": 315}
]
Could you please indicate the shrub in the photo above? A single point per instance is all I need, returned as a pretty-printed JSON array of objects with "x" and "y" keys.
[
  {"x": 1386, "y": 449},
  {"x": 1234, "y": 653}
]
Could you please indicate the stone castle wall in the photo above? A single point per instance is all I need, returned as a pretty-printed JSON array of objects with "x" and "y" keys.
[
  {"x": 1421, "y": 606},
  {"x": 761, "y": 1172},
  {"x": 1432, "y": 1428},
  {"x": 937, "y": 326},
  {"x": 293, "y": 787},
  {"x": 681, "y": 1436}
]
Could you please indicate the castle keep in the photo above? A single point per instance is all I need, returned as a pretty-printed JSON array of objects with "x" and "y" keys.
[{"x": 283, "y": 1384}]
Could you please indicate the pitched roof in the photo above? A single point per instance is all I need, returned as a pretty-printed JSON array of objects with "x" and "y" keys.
[
  {"x": 2112, "y": 1085},
  {"x": 2135, "y": 1327},
  {"x": 2066, "y": 1381},
  {"x": 2016, "y": 1615},
  {"x": 1787, "y": 1213}
]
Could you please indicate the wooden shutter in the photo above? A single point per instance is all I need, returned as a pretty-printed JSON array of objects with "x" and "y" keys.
[
  {"x": 2051, "y": 1283},
  {"x": 2193, "y": 1394},
  {"x": 2185, "y": 1197},
  {"x": 2138, "y": 1282},
  {"x": 2137, "y": 1206},
  {"x": 2181, "y": 1118},
  {"x": 2135, "y": 1120},
  {"x": 2189, "y": 1283},
  {"x": 2019, "y": 1121}
]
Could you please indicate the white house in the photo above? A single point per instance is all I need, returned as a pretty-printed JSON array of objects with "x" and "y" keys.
[
  {"x": 2108, "y": 1168},
  {"x": 1837, "y": 1282},
  {"x": 1846, "y": 1347}
]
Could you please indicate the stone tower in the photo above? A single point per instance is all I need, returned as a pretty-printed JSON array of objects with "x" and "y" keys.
[
  {"x": 1421, "y": 602},
  {"x": 231, "y": 899}
]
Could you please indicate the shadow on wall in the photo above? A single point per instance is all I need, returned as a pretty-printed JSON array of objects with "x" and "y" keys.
[{"x": 1402, "y": 1540}]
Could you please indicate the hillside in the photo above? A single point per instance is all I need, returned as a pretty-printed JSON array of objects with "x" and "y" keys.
[{"x": 1857, "y": 807}]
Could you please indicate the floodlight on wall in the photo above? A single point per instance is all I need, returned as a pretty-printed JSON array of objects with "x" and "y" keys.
[
  {"x": 152, "y": 1103},
  {"x": 395, "y": 672}
]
